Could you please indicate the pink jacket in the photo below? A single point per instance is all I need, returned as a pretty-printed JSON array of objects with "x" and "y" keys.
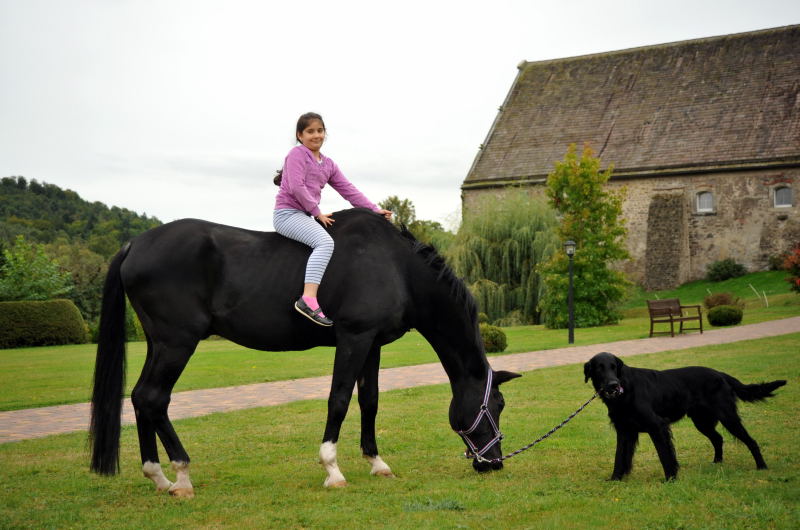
[{"x": 304, "y": 177}]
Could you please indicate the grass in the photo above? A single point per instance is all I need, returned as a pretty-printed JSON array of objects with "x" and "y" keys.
[
  {"x": 257, "y": 468},
  {"x": 36, "y": 377},
  {"x": 769, "y": 283}
]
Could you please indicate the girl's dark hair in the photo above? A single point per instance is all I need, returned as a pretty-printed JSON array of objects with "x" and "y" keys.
[{"x": 302, "y": 122}]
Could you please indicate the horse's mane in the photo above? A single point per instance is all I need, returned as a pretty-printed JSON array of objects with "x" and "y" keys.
[{"x": 444, "y": 273}]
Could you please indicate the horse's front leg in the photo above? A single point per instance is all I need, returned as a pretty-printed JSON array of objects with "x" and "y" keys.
[
  {"x": 368, "y": 401},
  {"x": 351, "y": 351}
]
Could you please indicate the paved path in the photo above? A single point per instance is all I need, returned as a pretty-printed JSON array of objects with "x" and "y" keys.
[{"x": 45, "y": 421}]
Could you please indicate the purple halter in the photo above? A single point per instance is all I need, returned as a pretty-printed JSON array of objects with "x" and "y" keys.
[{"x": 473, "y": 451}]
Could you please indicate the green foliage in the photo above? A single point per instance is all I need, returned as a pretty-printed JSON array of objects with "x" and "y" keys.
[
  {"x": 717, "y": 299},
  {"x": 40, "y": 324},
  {"x": 29, "y": 274},
  {"x": 44, "y": 213},
  {"x": 590, "y": 216},
  {"x": 428, "y": 232},
  {"x": 724, "y": 270},
  {"x": 404, "y": 211},
  {"x": 494, "y": 339},
  {"x": 498, "y": 249},
  {"x": 725, "y": 315},
  {"x": 87, "y": 271},
  {"x": 792, "y": 265}
]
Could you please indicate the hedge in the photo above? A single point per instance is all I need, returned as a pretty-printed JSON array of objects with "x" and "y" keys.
[
  {"x": 494, "y": 338},
  {"x": 41, "y": 324},
  {"x": 725, "y": 315}
]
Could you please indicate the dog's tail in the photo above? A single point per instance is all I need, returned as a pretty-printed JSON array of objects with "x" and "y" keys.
[{"x": 754, "y": 392}]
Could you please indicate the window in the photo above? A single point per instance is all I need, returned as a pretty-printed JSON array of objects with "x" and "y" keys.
[
  {"x": 705, "y": 202},
  {"x": 783, "y": 197}
]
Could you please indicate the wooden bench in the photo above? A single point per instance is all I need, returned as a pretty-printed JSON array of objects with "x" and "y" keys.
[{"x": 669, "y": 311}]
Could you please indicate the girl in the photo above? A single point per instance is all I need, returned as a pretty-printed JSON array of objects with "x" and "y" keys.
[{"x": 297, "y": 216}]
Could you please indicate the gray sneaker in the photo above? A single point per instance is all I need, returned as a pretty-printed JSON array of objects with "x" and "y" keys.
[{"x": 314, "y": 315}]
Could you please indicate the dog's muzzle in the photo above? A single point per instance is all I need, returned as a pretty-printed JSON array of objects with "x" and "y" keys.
[{"x": 613, "y": 390}]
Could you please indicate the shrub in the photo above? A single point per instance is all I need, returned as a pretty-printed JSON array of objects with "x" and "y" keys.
[
  {"x": 792, "y": 266},
  {"x": 724, "y": 270},
  {"x": 725, "y": 315},
  {"x": 483, "y": 318},
  {"x": 133, "y": 326},
  {"x": 512, "y": 318},
  {"x": 41, "y": 324},
  {"x": 717, "y": 299},
  {"x": 494, "y": 338},
  {"x": 776, "y": 262}
]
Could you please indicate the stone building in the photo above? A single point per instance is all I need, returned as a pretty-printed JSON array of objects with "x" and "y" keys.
[{"x": 703, "y": 134}]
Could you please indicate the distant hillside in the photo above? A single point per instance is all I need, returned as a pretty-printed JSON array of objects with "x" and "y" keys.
[{"x": 45, "y": 213}]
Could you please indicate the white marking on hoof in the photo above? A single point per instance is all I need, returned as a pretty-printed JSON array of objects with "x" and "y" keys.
[
  {"x": 183, "y": 486},
  {"x": 379, "y": 467},
  {"x": 153, "y": 471},
  {"x": 327, "y": 457}
]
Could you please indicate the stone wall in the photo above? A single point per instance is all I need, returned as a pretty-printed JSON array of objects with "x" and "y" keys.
[
  {"x": 743, "y": 225},
  {"x": 665, "y": 229}
]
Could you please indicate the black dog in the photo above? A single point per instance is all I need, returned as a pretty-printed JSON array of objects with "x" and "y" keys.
[{"x": 641, "y": 400}]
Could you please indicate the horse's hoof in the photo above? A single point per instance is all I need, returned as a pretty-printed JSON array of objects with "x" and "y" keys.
[
  {"x": 338, "y": 484},
  {"x": 384, "y": 473},
  {"x": 182, "y": 493}
]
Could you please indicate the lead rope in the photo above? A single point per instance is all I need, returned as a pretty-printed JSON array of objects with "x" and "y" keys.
[{"x": 479, "y": 458}]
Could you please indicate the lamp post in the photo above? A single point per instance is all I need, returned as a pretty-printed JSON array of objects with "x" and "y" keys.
[{"x": 569, "y": 248}]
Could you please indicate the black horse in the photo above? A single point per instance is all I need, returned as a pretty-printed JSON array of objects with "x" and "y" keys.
[{"x": 189, "y": 279}]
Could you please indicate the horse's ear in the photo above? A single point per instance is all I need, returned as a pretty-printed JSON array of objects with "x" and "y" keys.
[
  {"x": 502, "y": 376},
  {"x": 587, "y": 370}
]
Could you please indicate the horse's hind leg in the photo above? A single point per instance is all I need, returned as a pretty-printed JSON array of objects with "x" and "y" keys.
[
  {"x": 368, "y": 401},
  {"x": 151, "y": 397}
]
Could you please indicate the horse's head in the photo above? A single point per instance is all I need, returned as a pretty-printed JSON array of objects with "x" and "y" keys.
[{"x": 475, "y": 416}]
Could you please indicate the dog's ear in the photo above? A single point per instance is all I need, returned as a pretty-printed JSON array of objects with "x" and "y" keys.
[
  {"x": 618, "y": 364},
  {"x": 587, "y": 371}
]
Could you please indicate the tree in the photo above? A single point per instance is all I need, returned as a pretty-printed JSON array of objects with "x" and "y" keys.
[
  {"x": 28, "y": 274},
  {"x": 497, "y": 250},
  {"x": 404, "y": 213},
  {"x": 428, "y": 232},
  {"x": 87, "y": 271},
  {"x": 590, "y": 216}
]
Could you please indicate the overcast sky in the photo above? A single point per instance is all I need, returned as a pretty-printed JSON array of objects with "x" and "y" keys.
[{"x": 186, "y": 108}]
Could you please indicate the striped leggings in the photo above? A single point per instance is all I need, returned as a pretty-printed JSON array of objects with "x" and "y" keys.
[{"x": 301, "y": 227}]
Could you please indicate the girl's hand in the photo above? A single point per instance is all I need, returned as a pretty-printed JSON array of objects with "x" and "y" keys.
[
  {"x": 326, "y": 219},
  {"x": 386, "y": 213}
]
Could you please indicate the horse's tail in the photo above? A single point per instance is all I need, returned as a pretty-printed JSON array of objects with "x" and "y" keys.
[
  {"x": 754, "y": 392},
  {"x": 109, "y": 373}
]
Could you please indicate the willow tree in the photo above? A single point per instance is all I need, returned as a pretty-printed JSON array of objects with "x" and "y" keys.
[
  {"x": 591, "y": 215},
  {"x": 497, "y": 250}
]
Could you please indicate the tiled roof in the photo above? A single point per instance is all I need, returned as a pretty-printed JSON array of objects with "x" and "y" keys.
[{"x": 717, "y": 102}]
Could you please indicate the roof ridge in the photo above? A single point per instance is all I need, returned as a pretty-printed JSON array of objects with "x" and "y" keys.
[{"x": 665, "y": 45}]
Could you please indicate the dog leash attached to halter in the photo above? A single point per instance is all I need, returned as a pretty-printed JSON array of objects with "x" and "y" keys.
[{"x": 480, "y": 458}]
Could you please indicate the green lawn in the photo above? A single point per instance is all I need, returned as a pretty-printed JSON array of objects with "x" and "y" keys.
[
  {"x": 767, "y": 283},
  {"x": 35, "y": 377},
  {"x": 257, "y": 468}
]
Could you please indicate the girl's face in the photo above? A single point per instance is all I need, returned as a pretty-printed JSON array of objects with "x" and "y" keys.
[{"x": 313, "y": 136}]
